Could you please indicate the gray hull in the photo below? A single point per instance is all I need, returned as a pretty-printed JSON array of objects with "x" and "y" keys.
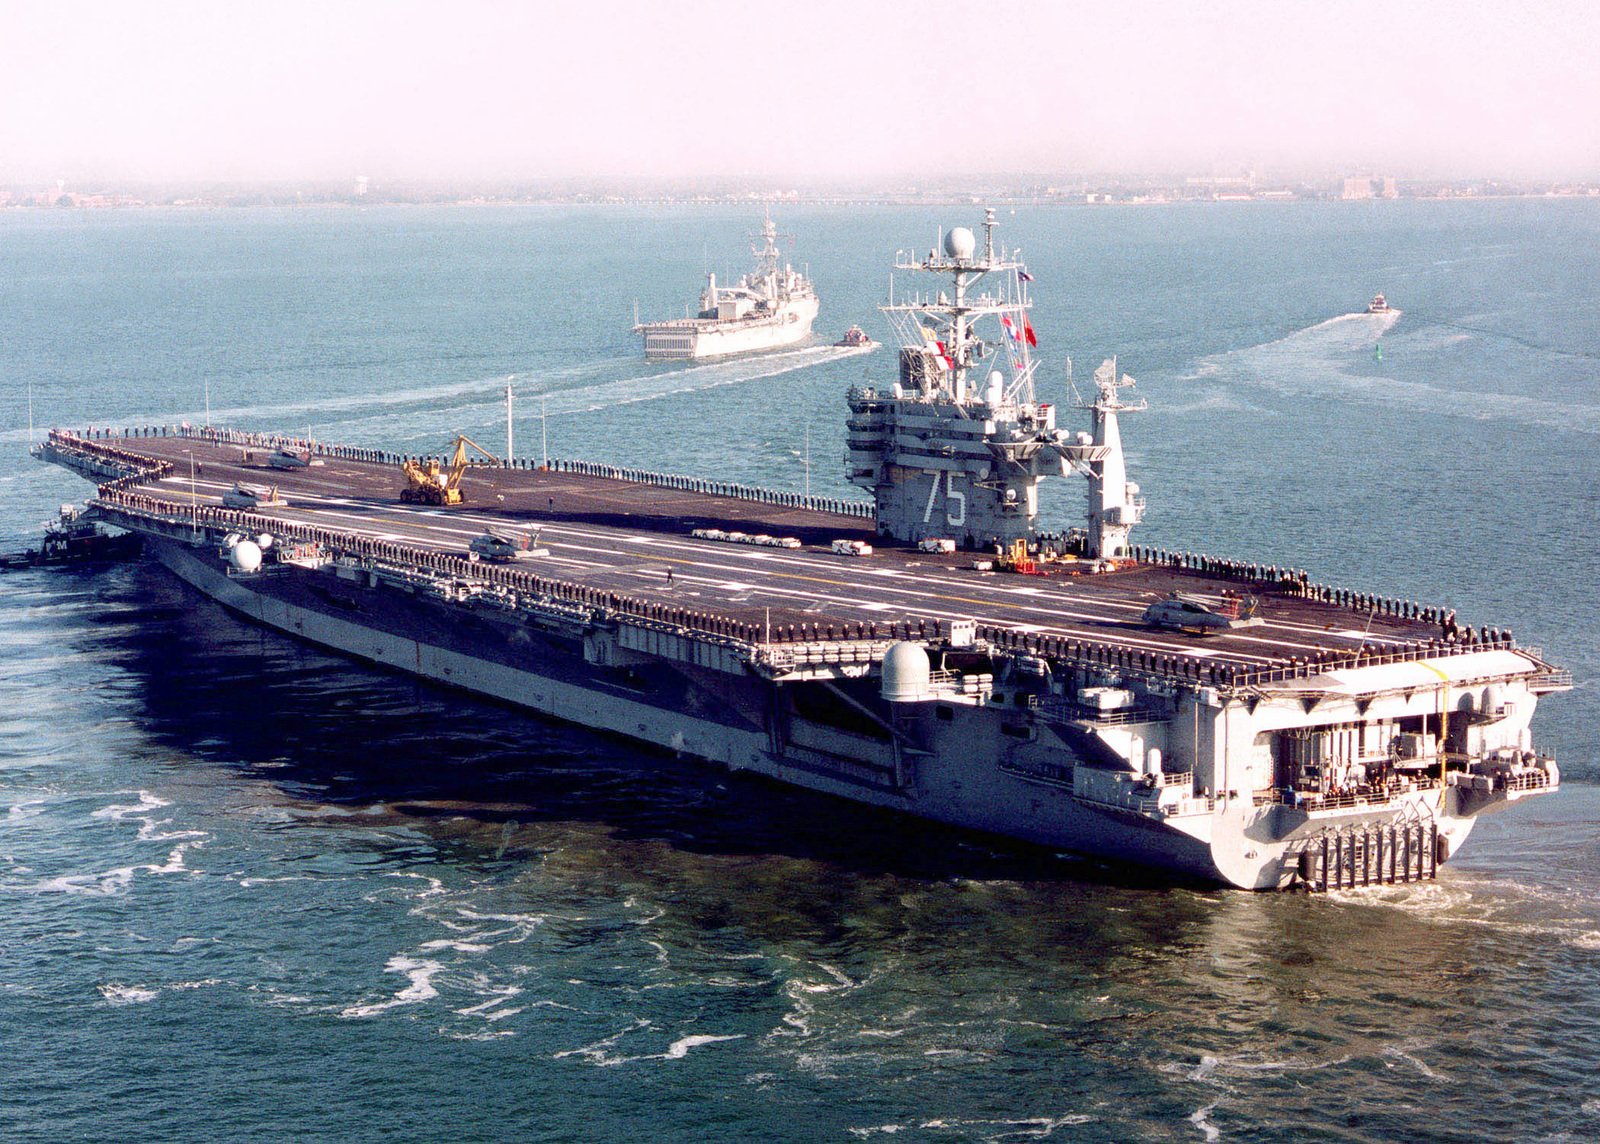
[{"x": 744, "y": 723}]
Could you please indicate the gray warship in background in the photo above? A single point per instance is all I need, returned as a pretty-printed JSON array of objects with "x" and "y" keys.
[
  {"x": 931, "y": 651},
  {"x": 770, "y": 307}
]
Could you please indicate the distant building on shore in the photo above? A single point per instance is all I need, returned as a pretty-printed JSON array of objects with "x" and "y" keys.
[{"x": 1370, "y": 187}]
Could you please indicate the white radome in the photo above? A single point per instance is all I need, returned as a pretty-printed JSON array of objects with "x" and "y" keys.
[
  {"x": 960, "y": 243},
  {"x": 906, "y": 672},
  {"x": 245, "y": 556}
]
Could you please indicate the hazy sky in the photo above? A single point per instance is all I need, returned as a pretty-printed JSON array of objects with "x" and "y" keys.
[{"x": 792, "y": 90}]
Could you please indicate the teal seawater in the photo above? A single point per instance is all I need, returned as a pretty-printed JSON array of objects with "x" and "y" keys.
[{"x": 251, "y": 891}]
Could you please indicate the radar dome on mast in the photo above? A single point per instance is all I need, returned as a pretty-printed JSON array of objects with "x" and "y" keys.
[{"x": 960, "y": 243}]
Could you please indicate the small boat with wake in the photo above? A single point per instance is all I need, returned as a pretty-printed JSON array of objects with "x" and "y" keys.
[{"x": 855, "y": 338}]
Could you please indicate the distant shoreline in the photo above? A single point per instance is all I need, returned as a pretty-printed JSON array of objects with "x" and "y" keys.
[{"x": 122, "y": 204}]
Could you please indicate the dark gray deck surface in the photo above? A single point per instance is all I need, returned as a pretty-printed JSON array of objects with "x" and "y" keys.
[{"x": 625, "y": 537}]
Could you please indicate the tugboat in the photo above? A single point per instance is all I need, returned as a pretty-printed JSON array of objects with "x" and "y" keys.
[
  {"x": 855, "y": 338},
  {"x": 1379, "y": 305},
  {"x": 71, "y": 539}
]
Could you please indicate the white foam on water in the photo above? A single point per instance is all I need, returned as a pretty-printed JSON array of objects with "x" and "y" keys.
[
  {"x": 499, "y": 994},
  {"x": 419, "y": 973},
  {"x": 841, "y": 980},
  {"x": 885, "y": 1034},
  {"x": 1316, "y": 360},
  {"x": 107, "y": 884},
  {"x": 1501, "y": 905},
  {"x": 631, "y": 391},
  {"x": 175, "y": 860},
  {"x": 150, "y": 831},
  {"x": 529, "y": 920},
  {"x": 31, "y": 808},
  {"x": 1430, "y": 899},
  {"x": 598, "y": 396},
  {"x": 115, "y": 881},
  {"x": 656, "y": 914},
  {"x": 1221, "y": 1073},
  {"x": 118, "y": 994},
  {"x": 458, "y": 946},
  {"x": 435, "y": 886},
  {"x": 804, "y": 995},
  {"x": 327, "y": 406},
  {"x": 147, "y": 802},
  {"x": 680, "y": 1048},
  {"x": 599, "y": 1052},
  {"x": 1035, "y": 1127},
  {"x": 1215, "y": 400},
  {"x": 1400, "y": 1054},
  {"x": 1201, "y": 1119},
  {"x": 512, "y": 930}
]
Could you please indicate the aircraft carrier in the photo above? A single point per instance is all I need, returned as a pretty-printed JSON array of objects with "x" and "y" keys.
[{"x": 929, "y": 651}]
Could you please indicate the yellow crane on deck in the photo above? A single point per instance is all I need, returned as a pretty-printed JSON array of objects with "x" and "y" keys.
[{"x": 429, "y": 482}]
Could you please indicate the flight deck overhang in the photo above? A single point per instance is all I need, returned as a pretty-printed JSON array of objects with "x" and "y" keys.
[{"x": 1416, "y": 675}]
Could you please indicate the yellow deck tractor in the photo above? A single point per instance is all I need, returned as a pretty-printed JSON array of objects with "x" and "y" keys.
[{"x": 430, "y": 482}]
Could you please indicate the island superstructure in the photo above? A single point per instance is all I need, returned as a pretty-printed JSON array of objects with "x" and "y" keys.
[
  {"x": 770, "y": 307},
  {"x": 958, "y": 445},
  {"x": 898, "y": 653}
]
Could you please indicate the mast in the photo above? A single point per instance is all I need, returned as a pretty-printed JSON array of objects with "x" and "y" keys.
[
  {"x": 767, "y": 279},
  {"x": 1115, "y": 505},
  {"x": 509, "y": 453}
]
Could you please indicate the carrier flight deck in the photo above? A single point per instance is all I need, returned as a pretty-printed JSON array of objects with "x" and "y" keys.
[{"x": 626, "y": 536}]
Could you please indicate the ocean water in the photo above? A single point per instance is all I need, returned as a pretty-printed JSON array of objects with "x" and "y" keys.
[{"x": 249, "y": 890}]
